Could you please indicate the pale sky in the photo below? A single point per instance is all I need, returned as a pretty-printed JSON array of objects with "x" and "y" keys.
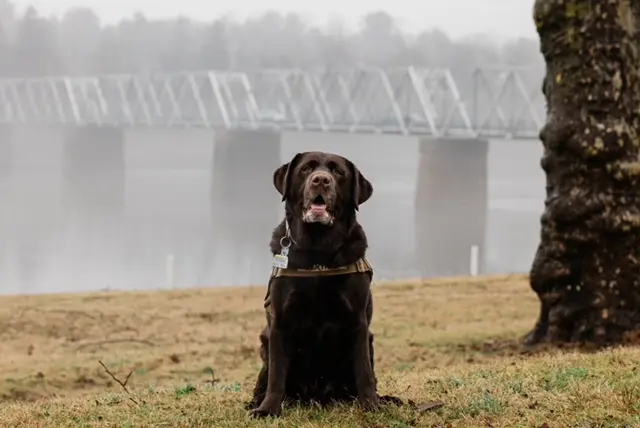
[{"x": 501, "y": 18}]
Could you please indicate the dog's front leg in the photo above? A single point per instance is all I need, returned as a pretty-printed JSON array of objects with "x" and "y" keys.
[
  {"x": 278, "y": 365},
  {"x": 363, "y": 369},
  {"x": 260, "y": 389}
]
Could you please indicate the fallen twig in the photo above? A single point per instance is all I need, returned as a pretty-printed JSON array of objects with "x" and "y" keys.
[
  {"x": 112, "y": 341},
  {"x": 121, "y": 383},
  {"x": 70, "y": 312},
  {"x": 425, "y": 407},
  {"x": 213, "y": 380}
]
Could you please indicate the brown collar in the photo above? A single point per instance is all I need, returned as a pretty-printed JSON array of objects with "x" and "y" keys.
[{"x": 359, "y": 266}]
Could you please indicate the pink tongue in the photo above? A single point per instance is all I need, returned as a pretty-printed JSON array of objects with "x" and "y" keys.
[{"x": 318, "y": 209}]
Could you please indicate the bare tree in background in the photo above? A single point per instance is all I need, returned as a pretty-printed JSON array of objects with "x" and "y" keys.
[
  {"x": 215, "y": 52},
  {"x": 77, "y": 55},
  {"x": 78, "y": 44},
  {"x": 34, "y": 51},
  {"x": 587, "y": 268}
]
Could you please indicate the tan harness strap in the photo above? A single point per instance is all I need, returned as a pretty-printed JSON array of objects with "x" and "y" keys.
[{"x": 360, "y": 266}]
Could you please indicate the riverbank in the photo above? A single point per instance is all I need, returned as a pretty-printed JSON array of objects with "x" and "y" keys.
[{"x": 193, "y": 358}]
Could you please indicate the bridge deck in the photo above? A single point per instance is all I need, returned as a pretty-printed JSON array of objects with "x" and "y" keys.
[{"x": 496, "y": 103}]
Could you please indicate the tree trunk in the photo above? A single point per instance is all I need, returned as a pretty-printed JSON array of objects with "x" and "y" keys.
[{"x": 586, "y": 271}]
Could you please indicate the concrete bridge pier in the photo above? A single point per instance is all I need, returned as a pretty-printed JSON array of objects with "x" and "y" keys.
[
  {"x": 29, "y": 220},
  {"x": 6, "y": 152},
  {"x": 6, "y": 166},
  {"x": 451, "y": 205},
  {"x": 245, "y": 207},
  {"x": 93, "y": 193}
]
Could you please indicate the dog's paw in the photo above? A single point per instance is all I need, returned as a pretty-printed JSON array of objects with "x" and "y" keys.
[
  {"x": 265, "y": 412},
  {"x": 369, "y": 404},
  {"x": 390, "y": 399},
  {"x": 250, "y": 405}
]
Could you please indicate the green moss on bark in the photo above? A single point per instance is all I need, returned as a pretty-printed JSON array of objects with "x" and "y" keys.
[{"x": 586, "y": 271}]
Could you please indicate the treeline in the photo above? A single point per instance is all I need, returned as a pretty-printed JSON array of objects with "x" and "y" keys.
[{"x": 79, "y": 44}]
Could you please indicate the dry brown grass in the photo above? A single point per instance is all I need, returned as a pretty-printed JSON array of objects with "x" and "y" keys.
[{"x": 194, "y": 359}]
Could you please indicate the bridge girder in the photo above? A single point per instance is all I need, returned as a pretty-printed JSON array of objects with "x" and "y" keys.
[{"x": 496, "y": 103}]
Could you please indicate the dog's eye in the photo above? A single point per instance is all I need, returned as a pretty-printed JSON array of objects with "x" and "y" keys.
[
  {"x": 337, "y": 171},
  {"x": 306, "y": 168}
]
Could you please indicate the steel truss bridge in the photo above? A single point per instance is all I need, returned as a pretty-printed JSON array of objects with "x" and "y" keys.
[{"x": 490, "y": 103}]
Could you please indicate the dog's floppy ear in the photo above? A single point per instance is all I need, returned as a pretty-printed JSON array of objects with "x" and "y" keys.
[
  {"x": 362, "y": 188},
  {"x": 282, "y": 176}
]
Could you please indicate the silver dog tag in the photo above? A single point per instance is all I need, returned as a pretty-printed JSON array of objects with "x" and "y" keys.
[{"x": 280, "y": 261}]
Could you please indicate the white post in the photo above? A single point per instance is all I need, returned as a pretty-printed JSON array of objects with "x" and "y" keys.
[
  {"x": 169, "y": 271},
  {"x": 474, "y": 262}
]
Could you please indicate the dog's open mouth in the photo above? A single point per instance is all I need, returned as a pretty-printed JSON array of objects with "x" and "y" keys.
[{"x": 317, "y": 211}]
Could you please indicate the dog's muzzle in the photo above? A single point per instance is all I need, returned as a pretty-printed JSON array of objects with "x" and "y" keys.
[{"x": 319, "y": 195}]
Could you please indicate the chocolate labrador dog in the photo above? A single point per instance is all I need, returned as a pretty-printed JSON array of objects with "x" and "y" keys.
[{"x": 317, "y": 347}]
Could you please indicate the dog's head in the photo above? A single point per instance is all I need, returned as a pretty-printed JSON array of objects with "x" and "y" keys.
[{"x": 322, "y": 187}]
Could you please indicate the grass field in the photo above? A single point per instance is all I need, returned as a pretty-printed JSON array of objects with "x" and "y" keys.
[{"x": 193, "y": 358}]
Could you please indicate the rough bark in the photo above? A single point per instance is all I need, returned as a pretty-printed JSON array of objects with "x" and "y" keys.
[{"x": 586, "y": 271}]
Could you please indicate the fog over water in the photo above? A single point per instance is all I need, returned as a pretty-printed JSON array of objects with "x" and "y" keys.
[
  {"x": 153, "y": 204},
  {"x": 49, "y": 246}
]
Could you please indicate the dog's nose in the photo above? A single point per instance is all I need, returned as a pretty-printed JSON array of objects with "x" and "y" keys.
[{"x": 321, "y": 179}]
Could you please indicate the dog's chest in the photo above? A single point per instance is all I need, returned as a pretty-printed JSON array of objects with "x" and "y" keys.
[{"x": 320, "y": 306}]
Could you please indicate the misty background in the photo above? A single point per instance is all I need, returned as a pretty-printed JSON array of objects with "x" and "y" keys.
[{"x": 167, "y": 209}]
